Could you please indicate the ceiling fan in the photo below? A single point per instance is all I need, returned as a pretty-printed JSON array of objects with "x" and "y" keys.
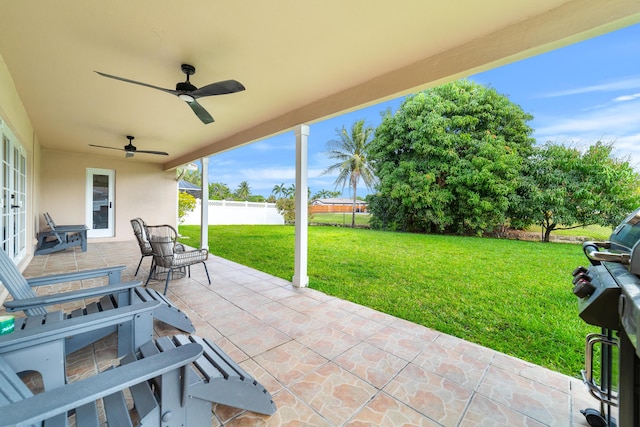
[
  {"x": 189, "y": 93},
  {"x": 131, "y": 149}
]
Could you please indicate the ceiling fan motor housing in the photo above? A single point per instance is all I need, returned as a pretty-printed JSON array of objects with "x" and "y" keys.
[{"x": 185, "y": 87}]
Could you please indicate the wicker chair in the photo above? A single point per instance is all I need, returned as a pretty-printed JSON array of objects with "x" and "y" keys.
[
  {"x": 170, "y": 255},
  {"x": 139, "y": 230}
]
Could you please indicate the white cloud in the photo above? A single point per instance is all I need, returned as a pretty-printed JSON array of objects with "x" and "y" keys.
[
  {"x": 623, "y": 84},
  {"x": 625, "y": 98},
  {"x": 618, "y": 123},
  {"x": 619, "y": 119}
]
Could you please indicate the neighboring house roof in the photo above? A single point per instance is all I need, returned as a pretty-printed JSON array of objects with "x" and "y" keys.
[
  {"x": 190, "y": 188},
  {"x": 187, "y": 186},
  {"x": 337, "y": 201}
]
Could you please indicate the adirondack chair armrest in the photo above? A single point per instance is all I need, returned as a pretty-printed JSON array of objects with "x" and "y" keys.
[
  {"x": 47, "y": 300},
  {"x": 114, "y": 274},
  {"x": 58, "y": 401},
  {"x": 78, "y": 325}
]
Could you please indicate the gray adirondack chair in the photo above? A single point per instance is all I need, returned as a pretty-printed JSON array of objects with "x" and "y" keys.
[
  {"x": 19, "y": 407},
  {"x": 213, "y": 376},
  {"x": 60, "y": 237},
  {"x": 34, "y": 346},
  {"x": 115, "y": 294}
]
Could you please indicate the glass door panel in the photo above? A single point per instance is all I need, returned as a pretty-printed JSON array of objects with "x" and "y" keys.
[
  {"x": 100, "y": 191},
  {"x": 13, "y": 212}
]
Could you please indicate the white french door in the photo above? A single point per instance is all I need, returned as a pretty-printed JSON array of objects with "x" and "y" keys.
[
  {"x": 100, "y": 202},
  {"x": 13, "y": 212}
]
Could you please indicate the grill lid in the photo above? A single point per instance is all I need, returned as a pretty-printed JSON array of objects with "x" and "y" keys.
[
  {"x": 627, "y": 234},
  {"x": 622, "y": 247}
]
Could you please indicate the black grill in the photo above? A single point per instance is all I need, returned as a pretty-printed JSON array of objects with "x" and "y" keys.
[{"x": 608, "y": 294}]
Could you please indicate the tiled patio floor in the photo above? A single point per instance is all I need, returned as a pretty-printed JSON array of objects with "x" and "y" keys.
[{"x": 329, "y": 362}]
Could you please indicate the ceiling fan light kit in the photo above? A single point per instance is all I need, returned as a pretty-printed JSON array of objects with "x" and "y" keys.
[{"x": 189, "y": 93}]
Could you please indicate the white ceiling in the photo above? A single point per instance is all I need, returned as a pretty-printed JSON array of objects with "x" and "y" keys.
[{"x": 300, "y": 60}]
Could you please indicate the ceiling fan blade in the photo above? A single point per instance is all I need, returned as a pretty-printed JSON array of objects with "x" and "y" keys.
[
  {"x": 219, "y": 88},
  {"x": 110, "y": 148},
  {"x": 171, "y": 91},
  {"x": 162, "y": 153},
  {"x": 202, "y": 114}
]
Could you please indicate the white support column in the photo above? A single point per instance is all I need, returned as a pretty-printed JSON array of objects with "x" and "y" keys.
[
  {"x": 204, "y": 206},
  {"x": 300, "y": 278}
]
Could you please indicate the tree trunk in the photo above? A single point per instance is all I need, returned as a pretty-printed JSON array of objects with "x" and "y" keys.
[
  {"x": 547, "y": 232},
  {"x": 353, "y": 207}
]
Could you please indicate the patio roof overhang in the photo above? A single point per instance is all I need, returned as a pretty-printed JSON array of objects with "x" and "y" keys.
[{"x": 301, "y": 62}]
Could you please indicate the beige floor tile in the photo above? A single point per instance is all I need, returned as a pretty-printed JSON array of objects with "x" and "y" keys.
[
  {"x": 375, "y": 366},
  {"x": 384, "y": 410},
  {"x": 258, "y": 339},
  {"x": 333, "y": 392},
  {"x": 457, "y": 367},
  {"x": 540, "y": 402},
  {"x": 484, "y": 412},
  {"x": 430, "y": 394},
  {"x": 290, "y": 362}
]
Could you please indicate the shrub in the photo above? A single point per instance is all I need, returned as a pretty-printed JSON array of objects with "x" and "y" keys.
[{"x": 186, "y": 204}]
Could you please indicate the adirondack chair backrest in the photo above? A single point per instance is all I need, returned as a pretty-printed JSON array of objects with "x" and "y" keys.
[
  {"x": 49, "y": 221},
  {"x": 52, "y": 226},
  {"x": 16, "y": 284},
  {"x": 140, "y": 230}
]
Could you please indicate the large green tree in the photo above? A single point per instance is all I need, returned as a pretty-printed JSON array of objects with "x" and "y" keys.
[
  {"x": 574, "y": 188},
  {"x": 351, "y": 150},
  {"x": 192, "y": 176},
  {"x": 449, "y": 160},
  {"x": 219, "y": 191}
]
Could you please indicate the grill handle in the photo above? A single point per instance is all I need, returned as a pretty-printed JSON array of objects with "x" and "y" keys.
[
  {"x": 593, "y": 252},
  {"x": 608, "y": 397}
]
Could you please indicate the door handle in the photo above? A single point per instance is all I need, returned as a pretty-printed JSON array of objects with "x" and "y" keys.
[
  {"x": 13, "y": 197},
  {"x": 109, "y": 205}
]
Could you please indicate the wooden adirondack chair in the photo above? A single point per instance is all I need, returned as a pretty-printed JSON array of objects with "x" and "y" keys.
[
  {"x": 113, "y": 295},
  {"x": 19, "y": 407},
  {"x": 60, "y": 237}
]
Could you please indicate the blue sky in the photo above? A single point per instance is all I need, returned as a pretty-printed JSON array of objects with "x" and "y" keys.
[{"x": 578, "y": 95}]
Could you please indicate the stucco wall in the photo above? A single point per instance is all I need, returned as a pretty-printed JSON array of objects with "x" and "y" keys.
[
  {"x": 14, "y": 116},
  {"x": 141, "y": 190}
]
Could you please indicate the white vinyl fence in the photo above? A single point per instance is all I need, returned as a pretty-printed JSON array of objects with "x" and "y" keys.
[{"x": 223, "y": 212}]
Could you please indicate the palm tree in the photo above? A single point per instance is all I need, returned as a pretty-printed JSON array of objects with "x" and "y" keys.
[
  {"x": 351, "y": 151},
  {"x": 289, "y": 192},
  {"x": 243, "y": 191},
  {"x": 279, "y": 190}
]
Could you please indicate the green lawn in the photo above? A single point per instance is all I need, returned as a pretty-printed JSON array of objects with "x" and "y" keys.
[
  {"x": 594, "y": 232},
  {"x": 339, "y": 218},
  {"x": 512, "y": 296}
]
